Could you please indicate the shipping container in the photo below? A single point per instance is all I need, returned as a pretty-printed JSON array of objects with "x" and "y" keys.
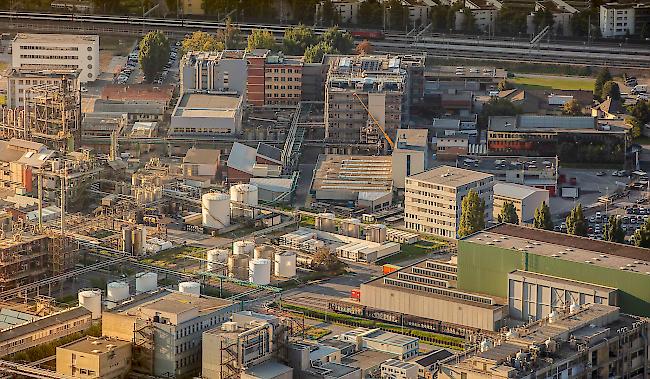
[{"x": 388, "y": 268}]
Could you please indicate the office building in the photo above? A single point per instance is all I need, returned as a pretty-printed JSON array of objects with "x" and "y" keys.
[
  {"x": 428, "y": 290},
  {"x": 166, "y": 327},
  {"x": 57, "y": 52},
  {"x": 199, "y": 114},
  {"x": 593, "y": 341},
  {"x": 623, "y": 19},
  {"x": 20, "y": 80},
  {"x": 383, "y": 84},
  {"x": 525, "y": 200},
  {"x": 282, "y": 80},
  {"x": 449, "y": 147},
  {"x": 432, "y": 199},
  {"x": 347, "y": 10},
  {"x": 219, "y": 72},
  {"x": 101, "y": 358},
  {"x": 571, "y": 139},
  {"x": 404, "y": 347},
  {"x": 485, "y": 259},
  {"x": 410, "y": 155},
  {"x": 397, "y": 369}
]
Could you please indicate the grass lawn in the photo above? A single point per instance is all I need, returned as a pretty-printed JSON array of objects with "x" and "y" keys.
[
  {"x": 314, "y": 333},
  {"x": 553, "y": 82},
  {"x": 416, "y": 250},
  {"x": 171, "y": 257}
]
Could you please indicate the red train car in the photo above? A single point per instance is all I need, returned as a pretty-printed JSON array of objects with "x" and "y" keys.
[{"x": 367, "y": 34}]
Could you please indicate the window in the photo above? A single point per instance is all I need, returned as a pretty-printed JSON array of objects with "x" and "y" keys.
[{"x": 90, "y": 57}]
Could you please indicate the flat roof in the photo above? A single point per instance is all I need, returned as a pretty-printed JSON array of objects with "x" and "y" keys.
[
  {"x": 566, "y": 247},
  {"x": 353, "y": 173},
  {"x": 208, "y": 101},
  {"x": 268, "y": 369},
  {"x": 137, "y": 92},
  {"x": 406, "y": 138},
  {"x": 514, "y": 191},
  {"x": 450, "y": 176},
  {"x": 201, "y": 156},
  {"x": 56, "y": 38},
  {"x": 96, "y": 346},
  {"x": 433, "y": 357},
  {"x": 542, "y": 123},
  {"x": 172, "y": 302},
  {"x": 366, "y": 359},
  {"x": 44, "y": 323}
]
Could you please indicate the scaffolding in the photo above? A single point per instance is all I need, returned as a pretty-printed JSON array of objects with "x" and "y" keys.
[
  {"x": 13, "y": 124},
  {"x": 54, "y": 114},
  {"x": 143, "y": 347}
]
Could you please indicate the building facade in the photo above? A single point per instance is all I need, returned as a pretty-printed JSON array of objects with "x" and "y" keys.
[
  {"x": 410, "y": 155},
  {"x": 617, "y": 20},
  {"x": 432, "y": 199},
  {"x": 57, "y": 52},
  {"x": 282, "y": 80},
  {"x": 101, "y": 358},
  {"x": 222, "y": 72},
  {"x": 20, "y": 80},
  {"x": 525, "y": 200}
]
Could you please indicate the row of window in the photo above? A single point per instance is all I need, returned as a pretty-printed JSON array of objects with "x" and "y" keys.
[
  {"x": 283, "y": 71},
  {"x": 57, "y": 48},
  {"x": 438, "y": 291},
  {"x": 433, "y": 273},
  {"x": 282, "y": 79},
  {"x": 269, "y": 86},
  {"x": 422, "y": 279}
]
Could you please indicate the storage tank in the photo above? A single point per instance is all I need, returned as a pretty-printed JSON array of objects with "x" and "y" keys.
[
  {"x": 351, "y": 227},
  {"x": 376, "y": 233},
  {"x": 238, "y": 266},
  {"x": 146, "y": 281},
  {"x": 138, "y": 243},
  {"x": 243, "y": 247},
  {"x": 285, "y": 264},
  {"x": 325, "y": 222},
  {"x": 193, "y": 288},
  {"x": 246, "y": 194},
  {"x": 259, "y": 271},
  {"x": 91, "y": 299},
  {"x": 215, "y": 209},
  {"x": 265, "y": 252},
  {"x": 116, "y": 292},
  {"x": 127, "y": 242},
  {"x": 214, "y": 257}
]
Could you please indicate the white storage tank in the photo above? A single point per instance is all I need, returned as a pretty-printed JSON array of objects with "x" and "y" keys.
[
  {"x": 214, "y": 257},
  {"x": 117, "y": 291},
  {"x": 193, "y": 288},
  {"x": 351, "y": 227},
  {"x": 246, "y": 194},
  {"x": 259, "y": 271},
  {"x": 238, "y": 266},
  {"x": 215, "y": 209},
  {"x": 91, "y": 299},
  {"x": 146, "y": 281},
  {"x": 285, "y": 264},
  {"x": 325, "y": 222},
  {"x": 243, "y": 247},
  {"x": 376, "y": 233}
]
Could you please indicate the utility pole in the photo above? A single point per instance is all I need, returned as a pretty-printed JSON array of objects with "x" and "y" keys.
[
  {"x": 40, "y": 200},
  {"x": 63, "y": 190}
]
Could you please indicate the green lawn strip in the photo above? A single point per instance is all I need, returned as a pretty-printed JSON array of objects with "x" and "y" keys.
[
  {"x": 418, "y": 249},
  {"x": 557, "y": 83},
  {"x": 173, "y": 255},
  {"x": 428, "y": 337}
]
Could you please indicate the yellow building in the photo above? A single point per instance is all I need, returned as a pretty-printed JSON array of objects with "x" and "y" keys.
[
  {"x": 192, "y": 7},
  {"x": 103, "y": 358}
]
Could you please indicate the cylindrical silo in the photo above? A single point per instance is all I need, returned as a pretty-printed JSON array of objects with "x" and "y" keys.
[
  {"x": 127, "y": 241},
  {"x": 215, "y": 209},
  {"x": 285, "y": 264},
  {"x": 238, "y": 266},
  {"x": 116, "y": 292},
  {"x": 193, "y": 288},
  {"x": 146, "y": 281},
  {"x": 259, "y": 271},
  {"x": 138, "y": 244},
  {"x": 351, "y": 227},
  {"x": 265, "y": 252},
  {"x": 243, "y": 247},
  {"x": 245, "y": 194},
  {"x": 376, "y": 233},
  {"x": 91, "y": 299},
  {"x": 325, "y": 222},
  {"x": 214, "y": 257}
]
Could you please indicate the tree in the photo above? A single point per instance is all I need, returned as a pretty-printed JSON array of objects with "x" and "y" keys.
[
  {"x": 219, "y": 7},
  {"x": 504, "y": 85},
  {"x": 640, "y": 110},
  {"x": 645, "y": 31},
  {"x": 365, "y": 48},
  {"x": 397, "y": 15},
  {"x": 304, "y": 10},
  {"x": 543, "y": 217},
  {"x": 153, "y": 55},
  {"x": 230, "y": 36},
  {"x": 497, "y": 107},
  {"x": 610, "y": 89},
  {"x": 315, "y": 53},
  {"x": 613, "y": 231},
  {"x": 508, "y": 213},
  {"x": 636, "y": 126},
  {"x": 575, "y": 222},
  {"x": 511, "y": 21},
  {"x": 642, "y": 235},
  {"x": 201, "y": 41},
  {"x": 328, "y": 14},
  {"x": 603, "y": 77},
  {"x": 297, "y": 39},
  {"x": 338, "y": 40},
  {"x": 543, "y": 18},
  {"x": 572, "y": 108},
  {"x": 469, "y": 21},
  {"x": 472, "y": 216},
  {"x": 371, "y": 14},
  {"x": 261, "y": 39},
  {"x": 324, "y": 259},
  {"x": 580, "y": 22}
]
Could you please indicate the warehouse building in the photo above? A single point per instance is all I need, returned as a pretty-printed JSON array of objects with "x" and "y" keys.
[
  {"x": 594, "y": 341},
  {"x": 207, "y": 115},
  {"x": 525, "y": 199},
  {"x": 487, "y": 258},
  {"x": 432, "y": 199},
  {"x": 343, "y": 177}
]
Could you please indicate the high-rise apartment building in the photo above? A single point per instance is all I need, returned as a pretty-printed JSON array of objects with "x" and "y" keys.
[
  {"x": 57, "y": 52},
  {"x": 432, "y": 199}
]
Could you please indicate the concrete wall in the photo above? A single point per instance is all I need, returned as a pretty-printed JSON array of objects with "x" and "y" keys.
[{"x": 400, "y": 171}]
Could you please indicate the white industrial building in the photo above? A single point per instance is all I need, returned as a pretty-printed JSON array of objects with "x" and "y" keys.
[
  {"x": 404, "y": 347},
  {"x": 57, "y": 52},
  {"x": 432, "y": 199},
  {"x": 410, "y": 154},
  {"x": 525, "y": 199},
  {"x": 397, "y": 369},
  {"x": 199, "y": 114}
]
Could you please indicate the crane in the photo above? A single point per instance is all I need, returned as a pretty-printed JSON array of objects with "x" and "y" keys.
[{"x": 374, "y": 120}]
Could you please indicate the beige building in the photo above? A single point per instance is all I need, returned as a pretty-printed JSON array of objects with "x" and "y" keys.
[
  {"x": 525, "y": 199},
  {"x": 347, "y": 10},
  {"x": 432, "y": 199},
  {"x": 57, "y": 52},
  {"x": 192, "y": 7},
  {"x": 427, "y": 289},
  {"x": 448, "y": 148},
  {"x": 410, "y": 154},
  {"x": 593, "y": 341},
  {"x": 101, "y": 358},
  {"x": 282, "y": 80},
  {"x": 19, "y": 80}
]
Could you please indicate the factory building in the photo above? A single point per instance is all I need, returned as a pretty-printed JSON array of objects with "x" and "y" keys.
[
  {"x": 410, "y": 155},
  {"x": 383, "y": 84},
  {"x": 166, "y": 327},
  {"x": 525, "y": 200},
  {"x": 404, "y": 347},
  {"x": 594, "y": 341},
  {"x": 432, "y": 199},
  {"x": 103, "y": 358},
  {"x": 57, "y": 52},
  {"x": 486, "y": 260},
  {"x": 428, "y": 289},
  {"x": 19, "y": 80},
  {"x": 214, "y": 72},
  {"x": 198, "y": 114}
]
